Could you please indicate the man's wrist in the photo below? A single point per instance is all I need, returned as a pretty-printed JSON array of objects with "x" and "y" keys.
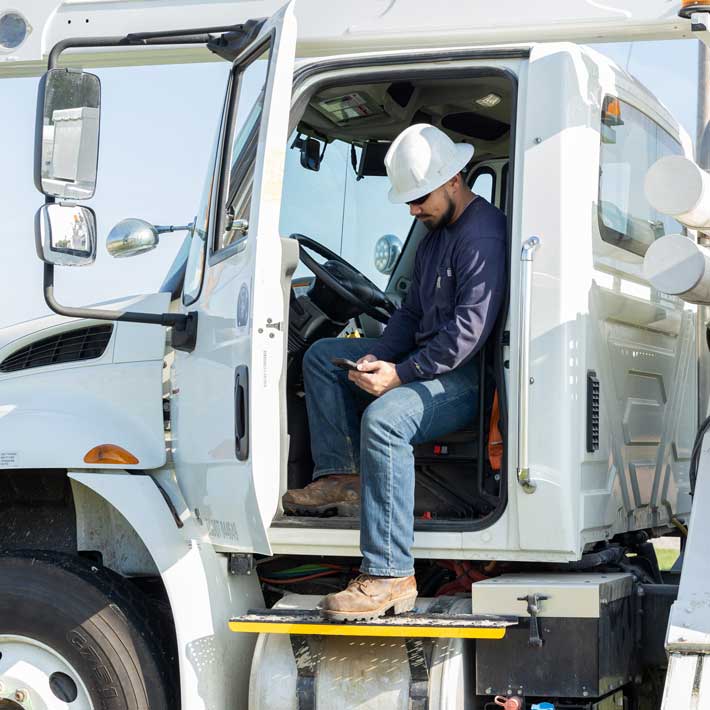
[{"x": 406, "y": 371}]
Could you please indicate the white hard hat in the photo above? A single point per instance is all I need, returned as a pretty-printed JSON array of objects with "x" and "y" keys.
[{"x": 422, "y": 158}]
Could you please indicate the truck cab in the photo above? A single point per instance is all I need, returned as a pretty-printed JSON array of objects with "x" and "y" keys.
[{"x": 602, "y": 349}]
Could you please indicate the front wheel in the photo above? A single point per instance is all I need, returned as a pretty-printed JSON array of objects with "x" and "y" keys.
[{"x": 74, "y": 636}]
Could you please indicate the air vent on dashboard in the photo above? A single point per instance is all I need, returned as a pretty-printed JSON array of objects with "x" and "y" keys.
[{"x": 69, "y": 346}]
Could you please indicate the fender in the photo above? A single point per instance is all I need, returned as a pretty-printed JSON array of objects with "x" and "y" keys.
[{"x": 214, "y": 667}]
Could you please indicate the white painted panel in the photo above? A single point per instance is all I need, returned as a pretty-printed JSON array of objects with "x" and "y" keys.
[{"x": 50, "y": 418}]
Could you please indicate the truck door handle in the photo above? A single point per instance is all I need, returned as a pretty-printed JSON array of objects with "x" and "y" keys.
[{"x": 241, "y": 412}]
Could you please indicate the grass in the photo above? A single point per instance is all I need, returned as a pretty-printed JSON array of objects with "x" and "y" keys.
[{"x": 666, "y": 558}]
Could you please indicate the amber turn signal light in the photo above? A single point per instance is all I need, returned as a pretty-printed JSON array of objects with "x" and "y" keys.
[
  {"x": 688, "y": 7},
  {"x": 110, "y": 453},
  {"x": 611, "y": 112}
]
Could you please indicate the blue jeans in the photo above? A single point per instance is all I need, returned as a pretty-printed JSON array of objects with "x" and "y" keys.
[{"x": 354, "y": 432}]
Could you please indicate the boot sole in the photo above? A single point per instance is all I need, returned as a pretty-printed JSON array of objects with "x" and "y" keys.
[
  {"x": 340, "y": 510},
  {"x": 398, "y": 606}
]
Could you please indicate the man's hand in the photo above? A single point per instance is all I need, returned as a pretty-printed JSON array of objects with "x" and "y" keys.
[
  {"x": 367, "y": 358},
  {"x": 375, "y": 376}
]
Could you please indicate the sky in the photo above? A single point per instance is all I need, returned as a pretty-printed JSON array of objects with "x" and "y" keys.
[{"x": 158, "y": 124}]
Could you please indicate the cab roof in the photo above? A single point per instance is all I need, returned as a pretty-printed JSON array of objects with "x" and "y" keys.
[{"x": 327, "y": 27}]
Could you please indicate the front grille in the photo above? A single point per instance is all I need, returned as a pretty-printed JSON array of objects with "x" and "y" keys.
[{"x": 69, "y": 346}]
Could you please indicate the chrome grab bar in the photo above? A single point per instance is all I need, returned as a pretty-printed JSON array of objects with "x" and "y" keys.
[{"x": 524, "y": 381}]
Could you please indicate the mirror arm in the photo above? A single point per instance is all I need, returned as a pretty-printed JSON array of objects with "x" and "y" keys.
[
  {"x": 236, "y": 37},
  {"x": 184, "y": 327},
  {"x": 162, "y": 229}
]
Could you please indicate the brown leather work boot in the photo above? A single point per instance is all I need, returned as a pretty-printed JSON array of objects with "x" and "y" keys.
[
  {"x": 329, "y": 495},
  {"x": 368, "y": 597}
]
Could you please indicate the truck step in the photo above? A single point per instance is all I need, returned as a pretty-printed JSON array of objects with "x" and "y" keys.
[
  {"x": 411, "y": 625},
  {"x": 687, "y": 682}
]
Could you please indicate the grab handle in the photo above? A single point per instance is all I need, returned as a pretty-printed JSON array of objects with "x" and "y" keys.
[{"x": 524, "y": 382}]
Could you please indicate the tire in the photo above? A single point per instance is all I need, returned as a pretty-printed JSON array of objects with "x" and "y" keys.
[{"x": 63, "y": 617}]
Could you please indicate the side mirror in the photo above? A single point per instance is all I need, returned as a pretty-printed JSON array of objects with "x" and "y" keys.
[
  {"x": 135, "y": 236},
  {"x": 66, "y": 235},
  {"x": 387, "y": 251},
  {"x": 131, "y": 237},
  {"x": 67, "y": 134}
]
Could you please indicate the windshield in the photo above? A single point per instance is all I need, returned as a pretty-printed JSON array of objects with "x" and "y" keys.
[{"x": 335, "y": 208}]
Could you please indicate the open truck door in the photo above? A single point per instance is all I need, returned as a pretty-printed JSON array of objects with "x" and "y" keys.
[{"x": 229, "y": 442}]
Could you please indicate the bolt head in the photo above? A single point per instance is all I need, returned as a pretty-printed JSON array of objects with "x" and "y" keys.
[{"x": 20, "y": 696}]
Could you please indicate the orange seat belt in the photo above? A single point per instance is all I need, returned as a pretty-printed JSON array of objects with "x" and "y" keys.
[{"x": 495, "y": 439}]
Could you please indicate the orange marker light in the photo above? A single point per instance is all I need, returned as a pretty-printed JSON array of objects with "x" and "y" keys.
[
  {"x": 110, "y": 453},
  {"x": 611, "y": 112},
  {"x": 687, "y": 7}
]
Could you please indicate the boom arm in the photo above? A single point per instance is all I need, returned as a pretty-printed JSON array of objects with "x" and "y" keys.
[{"x": 348, "y": 27}]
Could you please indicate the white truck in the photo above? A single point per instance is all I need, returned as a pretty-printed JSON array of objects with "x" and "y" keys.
[{"x": 146, "y": 562}]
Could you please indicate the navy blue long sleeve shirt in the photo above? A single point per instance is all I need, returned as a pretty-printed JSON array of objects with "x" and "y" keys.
[{"x": 454, "y": 297}]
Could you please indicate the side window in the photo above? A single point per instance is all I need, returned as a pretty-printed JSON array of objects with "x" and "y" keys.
[
  {"x": 630, "y": 143},
  {"x": 245, "y": 111},
  {"x": 484, "y": 184},
  {"x": 195, "y": 266}
]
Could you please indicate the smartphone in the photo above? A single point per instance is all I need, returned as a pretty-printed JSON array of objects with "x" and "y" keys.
[{"x": 344, "y": 363}]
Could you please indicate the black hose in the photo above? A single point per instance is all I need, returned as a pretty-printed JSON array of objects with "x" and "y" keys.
[{"x": 607, "y": 556}]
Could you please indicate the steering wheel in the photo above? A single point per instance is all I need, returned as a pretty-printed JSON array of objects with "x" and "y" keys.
[{"x": 345, "y": 280}]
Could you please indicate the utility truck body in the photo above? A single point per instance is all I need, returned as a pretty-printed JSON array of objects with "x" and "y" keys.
[{"x": 171, "y": 448}]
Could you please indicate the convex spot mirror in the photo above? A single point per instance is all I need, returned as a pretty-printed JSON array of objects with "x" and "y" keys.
[
  {"x": 67, "y": 134},
  {"x": 387, "y": 251},
  {"x": 135, "y": 236},
  {"x": 131, "y": 237},
  {"x": 66, "y": 235}
]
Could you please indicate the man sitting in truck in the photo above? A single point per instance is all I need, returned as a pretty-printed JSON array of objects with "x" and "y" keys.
[{"x": 416, "y": 383}]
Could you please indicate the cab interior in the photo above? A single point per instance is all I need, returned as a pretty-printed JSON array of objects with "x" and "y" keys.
[{"x": 351, "y": 124}]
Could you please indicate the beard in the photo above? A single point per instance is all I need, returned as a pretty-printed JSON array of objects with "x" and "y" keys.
[{"x": 432, "y": 223}]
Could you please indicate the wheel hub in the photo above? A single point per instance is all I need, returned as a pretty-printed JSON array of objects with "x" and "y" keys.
[{"x": 34, "y": 676}]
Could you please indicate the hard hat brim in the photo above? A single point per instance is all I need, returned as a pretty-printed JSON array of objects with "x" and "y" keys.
[{"x": 464, "y": 153}]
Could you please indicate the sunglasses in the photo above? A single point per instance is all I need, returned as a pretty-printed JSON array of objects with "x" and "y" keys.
[{"x": 420, "y": 200}]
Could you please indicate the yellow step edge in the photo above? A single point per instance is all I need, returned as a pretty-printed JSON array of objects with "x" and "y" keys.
[{"x": 331, "y": 629}]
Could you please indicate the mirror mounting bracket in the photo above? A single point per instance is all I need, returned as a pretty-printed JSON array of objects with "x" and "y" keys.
[
  {"x": 226, "y": 41},
  {"x": 184, "y": 333}
]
